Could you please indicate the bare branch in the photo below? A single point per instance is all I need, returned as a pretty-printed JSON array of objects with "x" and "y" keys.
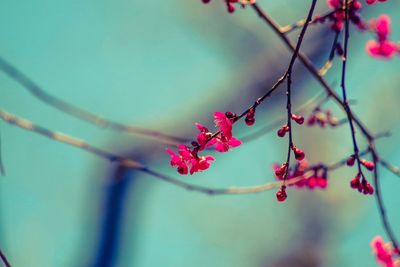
[{"x": 80, "y": 113}]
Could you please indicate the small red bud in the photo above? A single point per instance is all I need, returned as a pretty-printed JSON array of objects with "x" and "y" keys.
[
  {"x": 281, "y": 171},
  {"x": 368, "y": 164},
  {"x": 298, "y": 153},
  {"x": 368, "y": 189},
  {"x": 230, "y": 115},
  {"x": 281, "y": 194},
  {"x": 231, "y": 7},
  {"x": 321, "y": 121},
  {"x": 312, "y": 182},
  {"x": 322, "y": 182},
  {"x": 311, "y": 120},
  {"x": 350, "y": 161},
  {"x": 297, "y": 118},
  {"x": 250, "y": 121},
  {"x": 356, "y": 5},
  {"x": 355, "y": 183},
  {"x": 282, "y": 131}
]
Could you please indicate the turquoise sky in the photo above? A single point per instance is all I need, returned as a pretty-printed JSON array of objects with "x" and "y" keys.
[{"x": 165, "y": 65}]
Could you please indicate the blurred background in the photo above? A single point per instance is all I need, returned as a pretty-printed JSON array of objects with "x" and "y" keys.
[{"x": 165, "y": 65}]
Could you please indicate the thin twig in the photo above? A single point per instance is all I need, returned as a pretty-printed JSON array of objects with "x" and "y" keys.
[
  {"x": 289, "y": 83},
  {"x": 394, "y": 169},
  {"x": 328, "y": 64},
  {"x": 80, "y": 113},
  {"x": 129, "y": 163},
  {"x": 63, "y": 138},
  {"x": 365, "y": 132},
  {"x": 344, "y": 93},
  {"x": 2, "y": 169},
  {"x": 379, "y": 200},
  {"x": 297, "y": 25},
  {"x": 273, "y": 125},
  {"x": 309, "y": 66},
  {"x": 4, "y": 259}
]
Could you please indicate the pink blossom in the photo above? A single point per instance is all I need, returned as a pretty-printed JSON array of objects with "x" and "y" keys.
[
  {"x": 334, "y": 3},
  {"x": 178, "y": 161},
  {"x": 381, "y": 26},
  {"x": 223, "y": 123},
  {"x": 317, "y": 180},
  {"x": 384, "y": 252},
  {"x": 187, "y": 158},
  {"x": 185, "y": 152},
  {"x": 203, "y": 136},
  {"x": 223, "y": 143},
  {"x": 338, "y": 16},
  {"x": 200, "y": 163},
  {"x": 370, "y": 2},
  {"x": 384, "y": 49}
]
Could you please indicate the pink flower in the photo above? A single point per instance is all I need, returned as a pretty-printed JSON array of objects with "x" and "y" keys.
[
  {"x": 200, "y": 163},
  {"x": 203, "y": 136},
  {"x": 318, "y": 180},
  {"x": 381, "y": 26},
  {"x": 334, "y": 3},
  {"x": 384, "y": 252},
  {"x": 370, "y": 2},
  {"x": 223, "y": 143},
  {"x": 178, "y": 161},
  {"x": 338, "y": 16},
  {"x": 185, "y": 152},
  {"x": 187, "y": 158},
  {"x": 384, "y": 49},
  {"x": 223, "y": 123}
]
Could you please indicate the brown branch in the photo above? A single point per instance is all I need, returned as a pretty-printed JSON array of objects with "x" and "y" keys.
[
  {"x": 352, "y": 117},
  {"x": 2, "y": 169},
  {"x": 80, "y": 113},
  {"x": 297, "y": 25},
  {"x": 66, "y": 139},
  {"x": 344, "y": 91},
  {"x": 130, "y": 163},
  {"x": 309, "y": 66},
  {"x": 288, "y": 92},
  {"x": 379, "y": 200},
  {"x": 273, "y": 125},
  {"x": 4, "y": 259},
  {"x": 393, "y": 169}
]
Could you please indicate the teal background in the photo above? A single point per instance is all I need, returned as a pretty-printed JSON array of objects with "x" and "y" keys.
[{"x": 165, "y": 65}]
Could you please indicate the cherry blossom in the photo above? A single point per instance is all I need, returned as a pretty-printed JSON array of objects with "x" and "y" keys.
[
  {"x": 384, "y": 252},
  {"x": 382, "y": 47}
]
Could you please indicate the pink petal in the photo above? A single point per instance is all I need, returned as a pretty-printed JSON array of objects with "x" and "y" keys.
[
  {"x": 223, "y": 123},
  {"x": 221, "y": 147},
  {"x": 233, "y": 142},
  {"x": 201, "y": 127}
]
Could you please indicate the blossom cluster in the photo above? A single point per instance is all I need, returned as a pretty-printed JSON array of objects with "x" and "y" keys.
[
  {"x": 322, "y": 118},
  {"x": 283, "y": 172},
  {"x": 301, "y": 172},
  {"x": 338, "y": 16},
  {"x": 382, "y": 47},
  {"x": 385, "y": 253},
  {"x": 359, "y": 182},
  {"x": 188, "y": 160}
]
